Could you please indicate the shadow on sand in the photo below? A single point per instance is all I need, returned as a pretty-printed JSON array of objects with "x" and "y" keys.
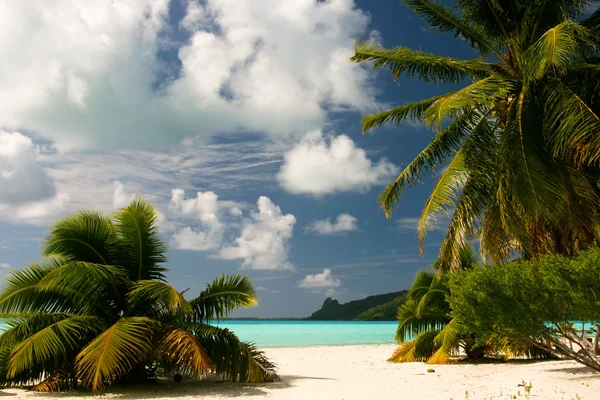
[{"x": 167, "y": 389}]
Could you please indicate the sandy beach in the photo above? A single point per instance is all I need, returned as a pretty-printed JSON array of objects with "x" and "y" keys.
[{"x": 361, "y": 372}]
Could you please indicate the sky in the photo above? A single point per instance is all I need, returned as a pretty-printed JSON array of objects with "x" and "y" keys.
[{"x": 239, "y": 120}]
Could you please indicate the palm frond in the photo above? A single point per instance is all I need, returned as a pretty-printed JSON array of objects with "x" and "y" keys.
[
  {"x": 419, "y": 349},
  {"x": 143, "y": 250},
  {"x": 115, "y": 351},
  {"x": 84, "y": 237},
  {"x": 443, "y": 146},
  {"x": 446, "y": 20},
  {"x": 183, "y": 349},
  {"x": 443, "y": 196},
  {"x": 412, "y": 322},
  {"x": 412, "y": 111},
  {"x": 557, "y": 49},
  {"x": 574, "y": 124},
  {"x": 484, "y": 92},
  {"x": 20, "y": 295},
  {"x": 84, "y": 282},
  {"x": 237, "y": 360},
  {"x": 224, "y": 295},
  {"x": 44, "y": 337},
  {"x": 420, "y": 64},
  {"x": 168, "y": 299},
  {"x": 447, "y": 340}
]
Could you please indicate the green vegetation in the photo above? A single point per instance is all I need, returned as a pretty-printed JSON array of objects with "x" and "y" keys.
[
  {"x": 532, "y": 302},
  {"x": 380, "y": 307},
  {"x": 99, "y": 311},
  {"x": 517, "y": 147},
  {"x": 384, "y": 312},
  {"x": 518, "y": 140}
]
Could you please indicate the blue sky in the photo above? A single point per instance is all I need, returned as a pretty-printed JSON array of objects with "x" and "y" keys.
[{"x": 238, "y": 119}]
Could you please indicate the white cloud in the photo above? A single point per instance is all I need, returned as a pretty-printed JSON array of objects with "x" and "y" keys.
[
  {"x": 205, "y": 223},
  {"x": 343, "y": 223},
  {"x": 22, "y": 178},
  {"x": 4, "y": 265},
  {"x": 121, "y": 197},
  {"x": 324, "y": 282},
  {"x": 205, "y": 208},
  {"x": 84, "y": 73},
  {"x": 235, "y": 211},
  {"x": 320, "y": 166},
  {"x": 28, "y": 194},
  {"x": 263, "y": 241}
]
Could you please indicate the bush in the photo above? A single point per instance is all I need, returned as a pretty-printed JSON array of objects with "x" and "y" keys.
[{"x": 531, "y": 301}]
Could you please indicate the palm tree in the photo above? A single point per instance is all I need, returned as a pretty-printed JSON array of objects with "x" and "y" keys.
[
  {"x": 519, "y": 140},
  {"x": 98, "y": 310},
  {"x": 426, "y": 330}
]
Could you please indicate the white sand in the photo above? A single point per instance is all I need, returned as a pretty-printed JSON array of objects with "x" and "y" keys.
[{"x": 361, "y": 372}]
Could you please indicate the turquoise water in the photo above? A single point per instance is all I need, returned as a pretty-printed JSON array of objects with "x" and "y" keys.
[{"x": 312, "y": 333}]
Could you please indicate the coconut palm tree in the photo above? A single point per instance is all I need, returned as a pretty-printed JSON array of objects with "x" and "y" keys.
[
  {"x": 426, "y": 330},
  {"x": 519, "y": 140},
  {"x": 98, "y": 310}
]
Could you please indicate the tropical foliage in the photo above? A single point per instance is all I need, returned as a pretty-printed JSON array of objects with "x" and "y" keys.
[
  {"x": 519, "y": 137},
  {"x": 426, "y": 331},
  {"x": 532, "y": 303},
  {"x": 429, "y": 331},
  {"x": 98, "y": 310}
]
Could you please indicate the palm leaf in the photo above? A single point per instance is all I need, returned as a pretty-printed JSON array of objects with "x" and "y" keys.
[
  {"x": 556, "y": 49},
  {"x": 443, "y": 196},
  {"x": 115, "y": 351},
  {"x": 419, "y": 64},
  {"x": 481, "y": 93},
  {"x": 143, "y": 250},
  {"x": 444, "y": 145},
  {"x": 445, "y": 20},
  {"x": 46, "y": 337},
  {"x": 84, "y": 237},
  {"x": 411, "y": 111},
  {"x": 20, "y": 295},
  {"x": 85, "y": 282},
  {"x": 447, "y": 339},
  {"x": 165, "y": 296},
  {"x": 574, "y": 124},
  {"x": 224, "y": 295},
  {"x": 183, "y": 349},
  {"x": 233, "y": 358},
  {"x": 419, "y": 349}
]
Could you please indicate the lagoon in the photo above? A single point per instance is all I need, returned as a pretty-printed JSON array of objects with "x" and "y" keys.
[{"x": 270, "y": 333}]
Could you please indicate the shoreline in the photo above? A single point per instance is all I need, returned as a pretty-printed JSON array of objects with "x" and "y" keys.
[{"x": 361, "y": 372}]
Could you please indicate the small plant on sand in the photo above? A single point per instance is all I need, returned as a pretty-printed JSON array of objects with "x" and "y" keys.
[{"x": 526, "y": 387}]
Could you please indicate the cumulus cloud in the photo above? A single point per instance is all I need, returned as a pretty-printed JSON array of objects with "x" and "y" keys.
[
  {"x": 21, "y": 177},
  {"x": 28, "y": 194},
  {"x": 343, "y": 223},
  {"x": 324, "y": 282},
  {"x": 263, "y": 241},
  {"x": 4, "y": 265},
  {"x": 205, "y": 223},
  {"x": 205, "y": 209},
  {"x": 121, "y": 197},
  {"x": 83, "y": 73},
  {"x": 319, "y": 166}
]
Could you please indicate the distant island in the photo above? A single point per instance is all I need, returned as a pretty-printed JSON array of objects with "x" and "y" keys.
[{"x": 381, "y": 307}]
